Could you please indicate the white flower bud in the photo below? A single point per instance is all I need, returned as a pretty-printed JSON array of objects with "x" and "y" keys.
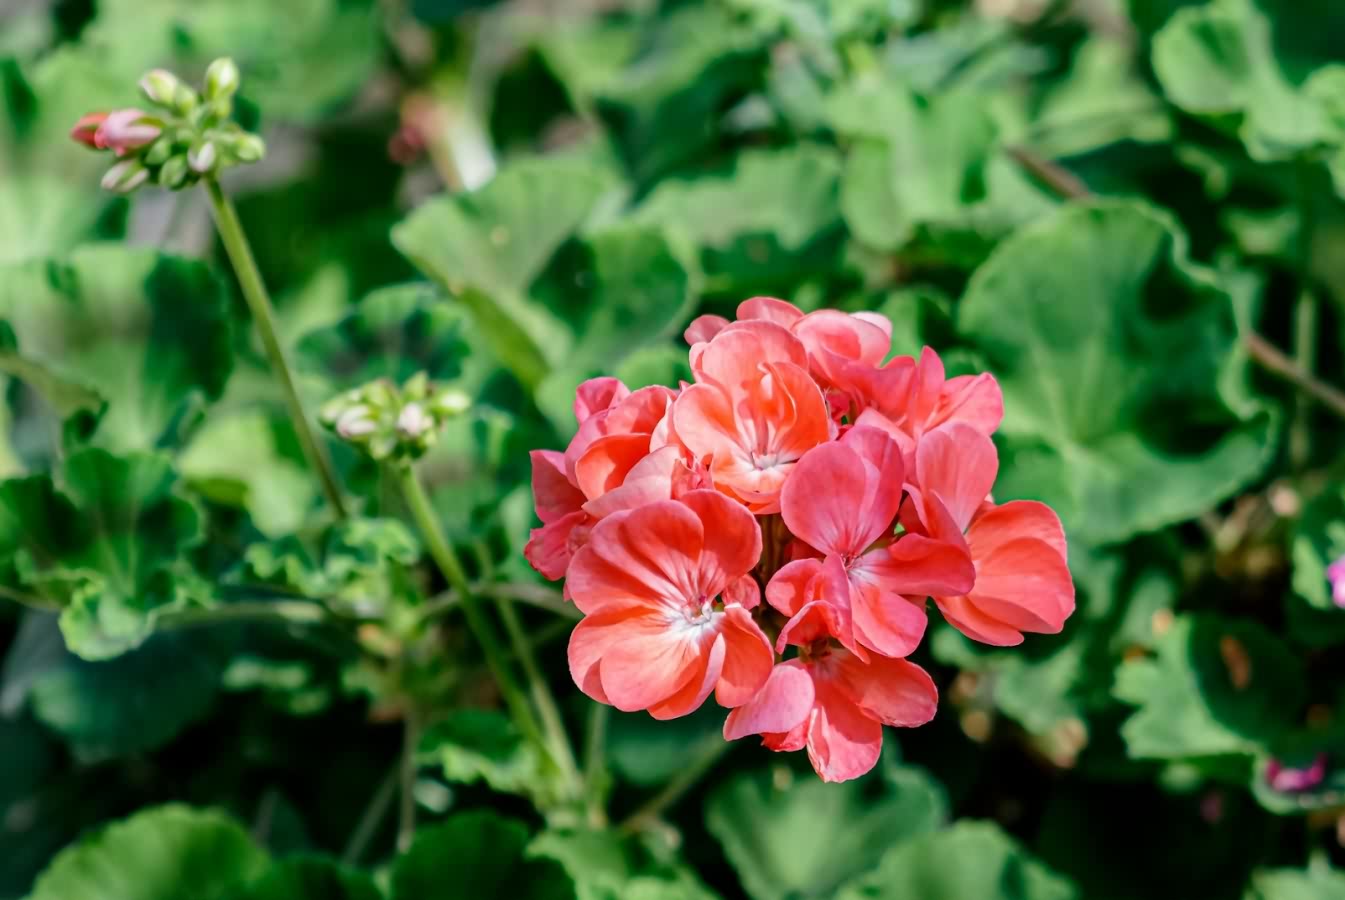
[
  {"x": 160, "y": 87},
  {"x": 413, "y": 421},
  {"x": 202, "y": 157},
  {"x": 355, "y": 423},
  {"x": 125, "y": 176},
  {"x": 221, "y": 79}
]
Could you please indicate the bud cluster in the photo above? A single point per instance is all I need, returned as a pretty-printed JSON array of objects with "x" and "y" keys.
[
  {"x": 391, "y": 422},
  {"x": 189, "y": 135}
]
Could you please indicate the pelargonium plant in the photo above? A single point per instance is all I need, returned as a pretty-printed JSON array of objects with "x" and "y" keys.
[{"x": 803, "y": 467}]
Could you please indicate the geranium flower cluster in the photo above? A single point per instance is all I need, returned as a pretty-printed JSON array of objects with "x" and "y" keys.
[{"x": 771, "y": 533}]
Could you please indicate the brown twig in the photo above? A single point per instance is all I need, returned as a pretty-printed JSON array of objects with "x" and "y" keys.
[
  {"x": 1275, "y": 361},
  {"x": 1062, "y": 182}
]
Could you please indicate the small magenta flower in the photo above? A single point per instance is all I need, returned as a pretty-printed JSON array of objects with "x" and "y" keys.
[
  {"x": 1335, "y": 573},
  {"x": 1287, "y": 779}
]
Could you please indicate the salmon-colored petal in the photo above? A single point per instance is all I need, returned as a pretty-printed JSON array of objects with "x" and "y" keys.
[
  {"x": 843, "y": 742},
  {"x": 549, "y": 548},
  {"x": 974, "y": 400},
  {"x": 732, "y": 543},
  {"x": 552, "y": 493},
  {"x": 607, "y": 461},
  {"x": 653, "y": 660},
  {"x": 788, "y": 587},
  {"x": 748, "y": 658},
  {"x": 1025, "y": 584},
  {"x": 704, "y": 328},
  {"x": 704, "y": 419},
  {"x": 650, "y": 480},
  {"x": 827, "y": 614},
  {"x": 803, "y": 420},
  {"x": 692, "y": 694},
  {"x": 964, "y": 615},
  {"x": 783, "y": 704},
  {"x": 956, "y": 464},
  {"x": 892, "y": 691},
  {"x": 822, "y": 499},
  {"x": 596, "y": 395},
  {"x": 1018, "y": 519},
  {"x": 733, "y": 358},
  {"x": 830, "y": 332},
  {"x": 919, "y": 566},
  {"x": 770, "y": 309},
  {"x": 886, "y": 622},
  {"x": 743, "y": 591},
  {"x": 648, "y": 556},
  {"x": 589, "y": 642}
]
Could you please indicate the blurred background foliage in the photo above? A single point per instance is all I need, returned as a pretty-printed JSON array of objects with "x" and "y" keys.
[{"x": 1119, "y": 207}]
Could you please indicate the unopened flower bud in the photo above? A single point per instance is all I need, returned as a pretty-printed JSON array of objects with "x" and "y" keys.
[
  {"x": 125, "y": 176},
  {"x": 1292, "y": 779},
  {"x": 451, "y": 402},
  {"x": 247, "y": 148},
  {"x": 158, "y": 152},
  {"x": 124, "y": 130},
  {"x": 186, "y": 100},
  {"x": 355, "y": 423},
  {"x": 413, "y": 421},
  {"x": 161, "y": 88},
  {"x": 202, "y": 157},
  {"x": 221, "y": 79},
  {"x": 174, "y": 172},
  {"x": 86, "y": 129}
]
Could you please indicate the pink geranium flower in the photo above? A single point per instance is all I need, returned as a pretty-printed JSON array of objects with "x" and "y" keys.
[
  {"x": 667, "y": 597},
  {"x": 852, "y": 487},
  {"x": 843, "y": 501},
  {"x": 834, "y": 704},
  {"x": 753, "y": 412}
]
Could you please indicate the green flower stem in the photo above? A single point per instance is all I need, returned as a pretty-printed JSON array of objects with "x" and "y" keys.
[
  {"x": 263, "y": 316},
  {"x": 1277, "y": 363},
  {"x": 1305, "y": 319},
  {"x": 32, "y": 601},
  {"x": 373, "y": 817},
  {"x": 545, "y": 703},
  {"x": 682, "y": 782},
  {"x": 282, "y": 612},
  {"x": 534, "y": 595},
  {"x": 595, "y": 764},
  {"x": 406, "y": 816},
  {"x": 447, "y": 561}
]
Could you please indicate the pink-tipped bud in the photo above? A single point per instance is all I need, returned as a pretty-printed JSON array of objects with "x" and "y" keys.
[
  {"x": 126, "y": 129},
  {"x": 202, "y": 157},
  {"x": 355, "y": 423},
  {"x": 1287, "y": 779},
  {"x": 413, "y": 421},
  {"x": 125, "y": 176},
  {"x": 86, "y": 129}
]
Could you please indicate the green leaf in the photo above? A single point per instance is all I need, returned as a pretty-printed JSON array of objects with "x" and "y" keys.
[
  {"x": 476, "y": 854},
  {"x": 311, "y": 878},
  {"x": 1219, "y": 61},
  {"x": 361, "y": 564},
  {"x": 1216, "y": 686},
  {"x": 607, "y": 865},
  {"x": 126, "y": 705},
  {"x": 44, "y": 215},
  {"x": 765, "y": 221},
  {"x": 1315, "y": 883},
  {"x": 486, "y": 248},
  {"x": 106, "y": 543},
  {"x": 154, "y": 855},
  {"x": 804, "y": 838},
  {"x": 240, "y": 458},
  {"x": 394, "y": 333},
  {"x": 1319, "y": 540},
  {"x": 68, "y": 400},
  {"x": 663, "y": 107},
  {"x": 927, "y": 167},
  {"x": 970, "y": 861},
  {"x": 146, "y": 331},
  {"x": 1119, "y": 364},
  {"x": 484, "y": 745}
]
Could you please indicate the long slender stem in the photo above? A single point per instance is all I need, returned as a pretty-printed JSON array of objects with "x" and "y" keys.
[
  {"x": 595, "y": 764},
  {"x": 373, "y": 816},
  {"x": 447, "y": 561},
  {"x": 534, "y": 595},
  {"x": 406, "y": 815},
  {"x": 1305, "y": 321},
  {"x": 263, "y": 316},
  {"x": 682, "y": 782},
  {"x": 32, "y": 601},
  {"x": 545, "y": 703}
]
